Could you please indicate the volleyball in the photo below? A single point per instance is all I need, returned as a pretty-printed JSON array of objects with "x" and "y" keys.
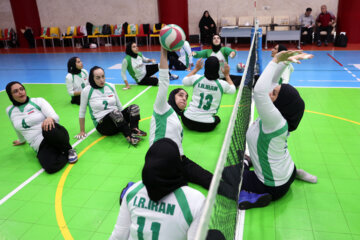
[
  {"x": 172, "y": 37},
  {"x": 240, "y": 67}
]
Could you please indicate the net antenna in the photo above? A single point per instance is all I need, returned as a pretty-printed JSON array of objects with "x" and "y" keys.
[{"x": 232, "y": 148}]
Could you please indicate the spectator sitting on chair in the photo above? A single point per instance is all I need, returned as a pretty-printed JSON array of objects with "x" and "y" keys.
[
  {"x": 307, "y": 24},
  {"x": 324, "y": 22},
  {"x": 207, "y": 28}
]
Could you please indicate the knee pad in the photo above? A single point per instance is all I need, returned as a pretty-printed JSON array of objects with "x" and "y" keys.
[
  {"x": 117, "y": 117},
  {"x": 134, "y": 110}
]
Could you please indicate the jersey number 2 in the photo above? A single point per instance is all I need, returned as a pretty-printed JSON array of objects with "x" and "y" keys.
[
  {"x": 106, "y": 104},
  {"x": 208, "y": 99},
  {"x": 155, "y": 228}
]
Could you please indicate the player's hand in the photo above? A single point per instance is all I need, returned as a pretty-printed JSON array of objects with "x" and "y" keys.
[
  {"x": 232, "y": 54},
  {"x": 126, "y": 87},
  {"x": 301, "y": 56},
  {"x": 284, "y": 55},
  {"x": 81, "y": 135},
  {"x": 199, "y": 64},
  {"x": 226, "y": 69},
  {"x": 17, "y": 143},
  {"x": 48, "y": 124}
]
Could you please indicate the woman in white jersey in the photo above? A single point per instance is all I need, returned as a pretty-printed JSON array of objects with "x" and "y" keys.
[
  {"x": 76, "y": 79},
  {"x": 280, "y": 110},
  {"x": 106, "y": 111},
  {"x": 36, "y": 122},
  {"x": 207, "y": 93},
  {"x": 285, "y": 76},
  {"x": 161, "y": 206},
  {"x": 184, "y": 62},
  {"x": 223, "y": 54}
]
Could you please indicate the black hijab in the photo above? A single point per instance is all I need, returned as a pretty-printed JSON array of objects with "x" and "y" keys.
[
  {"x": 91, "y": 77},
  {"x": 163, "y": 171},
  {"x": 291, "y": 105},
  {"x": 206, "y": 21},
  {"x": 281, "y": 48},
  {"x": 212, "y": 66},
  {"x": 8, "y": 91},
  {"x": 72, "y": 66},
  {"x": 129, "y": 51},
  {"x": 215, "y": 48},
  {"x": 172, "y": 103}
]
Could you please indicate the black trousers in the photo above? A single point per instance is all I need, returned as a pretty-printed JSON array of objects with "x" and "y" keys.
[
  {"x": 328, "y": 30},
  {"x": 53, "y": 150},
  {"x": 148, "y": 80},
  {"x": 75, "y": 100},
  {"x": 252, "y": 184},
  {"x": 307, "y": 38},
  {"x": 198, "y": 175},
  {"x": 174, "y": 62},
  {"x": 207, "y": 34},
  {"x": 200, "y": 126},
  {"x": 107, "y": 127}
]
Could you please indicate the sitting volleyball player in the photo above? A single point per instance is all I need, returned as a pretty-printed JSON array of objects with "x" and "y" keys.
[
  {"x": 106, "y": 111},
  {"x": 207, "y": 94},
  {"x": 140, "y": 72},
  {"x": 76, "y": 79},
  {"x": 161, "y": 206},
  {"x": 285, "y": 76},
  {"x": 36, "y": 122},
  {"x": 280, "y": 111},
  {"x": 223, "y": 54},
  {"x": 184, "y": 62},
  {"x": 165, "y": 123}
]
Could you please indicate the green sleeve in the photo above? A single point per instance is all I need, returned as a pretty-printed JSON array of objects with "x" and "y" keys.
[
  {"x": 228, "y": 50},
  {"x": 203, "y": 54}
]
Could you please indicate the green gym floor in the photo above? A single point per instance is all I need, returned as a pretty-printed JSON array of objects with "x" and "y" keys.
[{"x": 82, "y": 200}]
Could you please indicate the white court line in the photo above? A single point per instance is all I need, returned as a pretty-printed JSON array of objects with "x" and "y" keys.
[{"x": 13, "y": 192}]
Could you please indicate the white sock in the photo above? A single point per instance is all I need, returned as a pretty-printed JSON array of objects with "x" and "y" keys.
[{"x": 305, "y": 176}]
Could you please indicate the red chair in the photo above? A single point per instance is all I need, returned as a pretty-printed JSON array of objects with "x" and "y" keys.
[
  {"x": 142, "y": 33},
  {"x": 115, "y": 29},
  {"x": 45, "y": 32},
  {"x": 6, "y": 37}
]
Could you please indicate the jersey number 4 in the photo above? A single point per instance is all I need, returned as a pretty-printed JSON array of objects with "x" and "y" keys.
[
  {"x": 208, "y": 98},
  {"x": 155, "y": 228}
]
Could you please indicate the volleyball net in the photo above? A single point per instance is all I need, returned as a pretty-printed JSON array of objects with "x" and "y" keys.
[{"x": 221, "y": 206}]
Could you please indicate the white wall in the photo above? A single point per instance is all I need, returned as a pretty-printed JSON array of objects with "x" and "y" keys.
[
  {"x": 66, "y": 13},
  {"x": 6, "y": 16},
  {"x": 235, "y": 8}
]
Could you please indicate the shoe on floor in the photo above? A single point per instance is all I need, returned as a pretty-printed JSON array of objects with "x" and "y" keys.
[
  {"x": 249, "y": 200},
  {"x": 173, "y": 77},
  {"x": 138, "y": 133},
  {"x": 73, "y": 157},
  {"x": 133, "y": 140},
  {"x": 123, "y": 191}
]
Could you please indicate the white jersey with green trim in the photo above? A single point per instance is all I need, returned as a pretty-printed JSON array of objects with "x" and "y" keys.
[
  {"x": 76, "y": 82},
  {"x": 165, "y": 122},
  {"x": 175, "y": 216},
  {"x": 267, "y": 136},
  {"x": 100, "y": 101},
  {"x": 27, "y": 119},
  {"x": 206, "y": 98},
  {"x": 285, "y": 76},
  {"x": 222, "y": 61},
  {"x": 136, "y": 68},
  {"x": 185, "y": 54}
]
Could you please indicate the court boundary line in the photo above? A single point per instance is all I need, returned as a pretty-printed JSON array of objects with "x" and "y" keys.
[{"x": 27, "y": 181}]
